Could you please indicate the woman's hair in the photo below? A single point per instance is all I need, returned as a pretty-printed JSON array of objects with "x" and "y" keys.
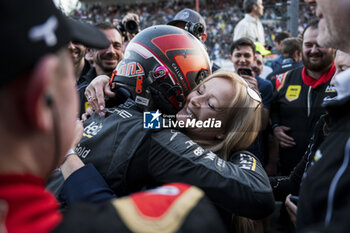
[
  {"x": 243, "y": 117},
  {"x": 242, "y": 126}
]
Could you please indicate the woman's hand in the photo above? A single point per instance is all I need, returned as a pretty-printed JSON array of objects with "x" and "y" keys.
[{"x": 96, "y": 92}]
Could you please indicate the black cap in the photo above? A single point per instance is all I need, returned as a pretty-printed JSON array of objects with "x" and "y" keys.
[
  {"x": 188, "y": 15},
  {"x": 33, "y": 28}
]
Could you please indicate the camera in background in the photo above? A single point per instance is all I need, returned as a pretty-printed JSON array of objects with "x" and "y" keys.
[
  {"x": 130, "y": 26},
  {"x": 196, "y": 29}
]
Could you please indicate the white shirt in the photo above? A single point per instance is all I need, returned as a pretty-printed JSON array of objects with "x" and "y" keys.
[
  {"x": 265, "y": 72},
  {"x": 251, "y": 28}
]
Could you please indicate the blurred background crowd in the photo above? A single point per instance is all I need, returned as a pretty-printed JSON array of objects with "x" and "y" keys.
[{"x": 221, "y": 17}]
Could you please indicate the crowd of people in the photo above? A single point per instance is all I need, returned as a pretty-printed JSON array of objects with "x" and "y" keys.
[
  {"x": 220, "y": 16},
  {"x": 166, "y": 140}
]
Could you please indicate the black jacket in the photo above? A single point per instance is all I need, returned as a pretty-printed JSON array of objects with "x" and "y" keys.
[
  {"x": 297, "y": 106},
  {"x": 325, "y": 192},
  {"x": 83, "y": 82},
  {"x": 276, "y": 76},
  {"x": 87, "y": 67},
  {"x": 284, "y": 185}
]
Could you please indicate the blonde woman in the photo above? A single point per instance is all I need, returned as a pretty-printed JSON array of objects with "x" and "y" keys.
[
  {"x": 240, "y": 113},
  {"x": 241, "y": 123}
]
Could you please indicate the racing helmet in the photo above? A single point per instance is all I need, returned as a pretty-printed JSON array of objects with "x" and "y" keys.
[{"x": 161, "y": 65}]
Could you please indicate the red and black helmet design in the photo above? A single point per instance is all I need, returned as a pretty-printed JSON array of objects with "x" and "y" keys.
[{"x": 161, "y": 65}]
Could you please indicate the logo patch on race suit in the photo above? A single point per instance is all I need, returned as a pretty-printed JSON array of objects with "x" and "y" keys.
[
  {"x": 92, "y": 129},
  {"x": 279, "y": 80},
  {"x": 247, "y": 162},
  {"x": 151, "y": 120},
  {"x": 318, "y": 155},
  {"x": 330, "y": 89},
  {"x": 87, "y": 105},
  {"x": 293, "y": 92},
  {"x": 155, "y": 210}
]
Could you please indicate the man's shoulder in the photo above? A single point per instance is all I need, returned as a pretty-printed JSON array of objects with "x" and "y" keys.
[
  {"x": 244, "y": 21},
  {"x": 86, "y": 68},
  {"x": 277, "y": 60},
  {"x": 297, "y": 69},
  {"x": 261, "y": 80},
  {"x": 287, "y": 76},
  {"x": 240, "y": 24},
  {"x": 263, "y": 84},
  {"x": 293, "y": 73},
  {"x": 85, "y": 79},
  {"x": 293, "y": 69}
]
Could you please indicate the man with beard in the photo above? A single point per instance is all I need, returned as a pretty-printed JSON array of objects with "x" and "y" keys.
[
  {"x": 297, "y": 104},
  {"x": 81, "y": 65},
  {"x": 105, "y": 61}
]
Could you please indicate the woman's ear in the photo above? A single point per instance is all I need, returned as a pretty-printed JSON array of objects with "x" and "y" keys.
[{"x": 38, "y": 90}]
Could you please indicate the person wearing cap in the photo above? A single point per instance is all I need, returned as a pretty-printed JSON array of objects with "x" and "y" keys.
[
  {"x": 39, "y": 125},
  {"x": 105, "y": 61},
  {"x": 261, "y": 69},
  {"x": 193, "y": 22},
  {"x": 186, "y": 16},
  {"x": 250, "y": 26}
]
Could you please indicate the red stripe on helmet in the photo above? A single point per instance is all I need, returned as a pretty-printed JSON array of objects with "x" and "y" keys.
[
  {"x": 171, "y": 42},
  {"x": 159, "y": 60}
]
